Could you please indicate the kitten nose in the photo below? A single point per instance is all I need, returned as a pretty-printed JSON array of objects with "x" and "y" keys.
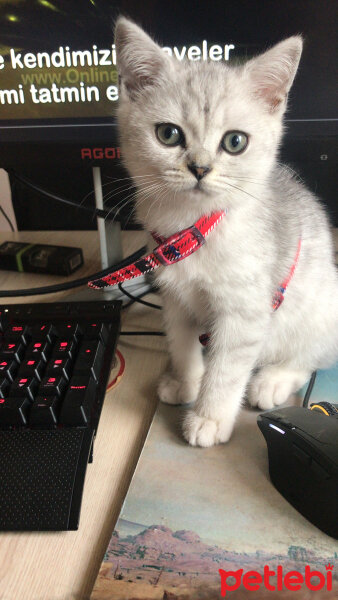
[{"x": 198, "y": 171}]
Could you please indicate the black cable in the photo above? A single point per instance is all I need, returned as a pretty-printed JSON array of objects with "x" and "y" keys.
[
  {"x": 59, "y": 287},
  {"x": 309, "y": 389},
  {"x": 135, "y": 298},
  {"x": 95, "y": 212},
  {"x": 160, "y": 333},
  {"x": 7, "y": 218},
  {"x": 138, "y": 299}
]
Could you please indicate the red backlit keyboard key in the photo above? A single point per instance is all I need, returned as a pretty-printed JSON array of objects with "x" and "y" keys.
[
  {"x": 44, "y": 411},
  {"x": 59, "y": 366},
  {"x": 64, "y": 347},
  {"x": 89, "y": 359},
  {"x": 69, "y": 330},
  {"x": 32, "y": 367},
  {"x": 52, "y": 386},
  {"x": 4, "y": 387},
  {"x": 97, "y": 331},
  {"x": 12, "y": 349},
  {"x": 39, "y": 348},
  {"x": 78, "y": 401},
  {"x": 24, "y": 387},
  {"x": 19, "y": 332},
  {"x": 14, "y": 411},
  {"x": 43, "y": 331},
  {"x": 8, "y": 367}
]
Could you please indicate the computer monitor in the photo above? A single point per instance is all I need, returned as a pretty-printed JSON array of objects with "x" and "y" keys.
[{"x": 59, "y": 84}]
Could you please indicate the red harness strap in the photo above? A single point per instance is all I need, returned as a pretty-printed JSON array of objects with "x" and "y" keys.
[
  {"x": 170, "y": 250},
  {"x": 278, "y": 296}
]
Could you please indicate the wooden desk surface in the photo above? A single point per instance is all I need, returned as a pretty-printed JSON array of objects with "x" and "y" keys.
[{"x": 64, "y": 565}]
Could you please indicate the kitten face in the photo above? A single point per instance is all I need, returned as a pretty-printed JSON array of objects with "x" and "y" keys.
[
  {"x": 199, "y": 135},
  {"x": 205, "y": 105}
]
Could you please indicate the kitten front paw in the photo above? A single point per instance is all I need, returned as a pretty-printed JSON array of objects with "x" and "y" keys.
[
  {"x": 172, "y": 391},
  {"x": 273, "y": 386},
  {"x": 200, "y": 431}
]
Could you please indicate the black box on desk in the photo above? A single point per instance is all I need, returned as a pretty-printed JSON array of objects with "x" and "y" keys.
[{"x": 40, "y": 258}]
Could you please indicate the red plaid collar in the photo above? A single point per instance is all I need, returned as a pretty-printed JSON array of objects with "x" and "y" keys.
[{"x": 169, "y": 251}]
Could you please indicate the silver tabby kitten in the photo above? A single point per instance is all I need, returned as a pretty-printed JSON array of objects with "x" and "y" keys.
[{"x": 217, "y": 151}]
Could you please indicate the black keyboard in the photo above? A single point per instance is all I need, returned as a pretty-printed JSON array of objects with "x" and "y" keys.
[{"x": 55, "y": 362}]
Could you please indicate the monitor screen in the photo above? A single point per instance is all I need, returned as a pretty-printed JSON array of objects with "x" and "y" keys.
[
  {"x": 57, "y": 60},
  {"x": 58, "y": 57}
]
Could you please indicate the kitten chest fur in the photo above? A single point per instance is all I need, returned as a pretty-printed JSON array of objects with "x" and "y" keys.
[{"x": 233, "y": 263}]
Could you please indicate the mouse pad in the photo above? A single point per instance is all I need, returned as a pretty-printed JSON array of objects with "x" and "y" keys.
[
  {"x": 192, "y": 511},
  {"x": 325, "y": 388}
]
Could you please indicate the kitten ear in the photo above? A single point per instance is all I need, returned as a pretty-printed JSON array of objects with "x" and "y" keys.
[
  {"x": 140, "y": 61},
  {"x": 273, "y": 72}
]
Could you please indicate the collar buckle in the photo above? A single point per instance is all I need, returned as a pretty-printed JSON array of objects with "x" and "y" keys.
[{"x": 169, "y": 252}]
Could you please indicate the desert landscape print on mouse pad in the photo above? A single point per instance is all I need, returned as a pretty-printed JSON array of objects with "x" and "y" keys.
[{"x": 191, "y": 511}]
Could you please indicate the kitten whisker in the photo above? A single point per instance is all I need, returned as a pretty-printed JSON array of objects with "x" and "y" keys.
[
  {"x": 246, "y": 179},
  {"x": 120, "y": 205},
  {"x": 92, "y": 192},
  {"x": 155, "y": 201},
  {"x": 118, "y": 210},
  {"x": 131, "y": 214},
  {"x": 118, "y": 189},
  {"x": 113, "y": 193},
  {"x": 241, "y": 190},
  {"x": 289, "y": 170},
  {"x": 130, "y": 178},
  {"x": 129, "y": 184},
  {"x": 159, "y": 196}
]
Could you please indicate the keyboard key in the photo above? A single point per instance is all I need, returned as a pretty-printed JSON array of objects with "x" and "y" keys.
[
  {"x": 32, "y": 367},
  {"x": 24, "y": 387},
  {"x": 61, "y": 308},
  {"x": 52, "y": 386},
  {"x": 43, "y": 332},
  {"x": 14, "y": 411},
  {"x": 69, "y": 330},
  {"x": 89, "y": 359},
  {"x": 3, "y": 319},
  {"x": 44, "y": 411},
  {"x": 18, "y": 332},
  {"x": 65, "y": 348},
  {"x": 8, "y": 367},
  {"x": 13, "y": 349},
  {"x": 78, "y": 401},
  {"x": 4, "y": 387},
  {"x": 59, "y": 366},
  {"x": 97, "y": 331},
  {"x": 42, "y": 349}
]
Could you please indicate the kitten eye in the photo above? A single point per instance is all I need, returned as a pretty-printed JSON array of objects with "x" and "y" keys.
[
  {"x": 234, "y": 142},
  {"x": 170, "y": 135}
]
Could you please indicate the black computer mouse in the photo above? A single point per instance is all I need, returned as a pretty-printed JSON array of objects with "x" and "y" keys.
[{"x": 303, "y": 460}]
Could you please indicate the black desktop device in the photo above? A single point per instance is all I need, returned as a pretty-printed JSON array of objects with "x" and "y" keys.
[{"x": 303, "y": 461}]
